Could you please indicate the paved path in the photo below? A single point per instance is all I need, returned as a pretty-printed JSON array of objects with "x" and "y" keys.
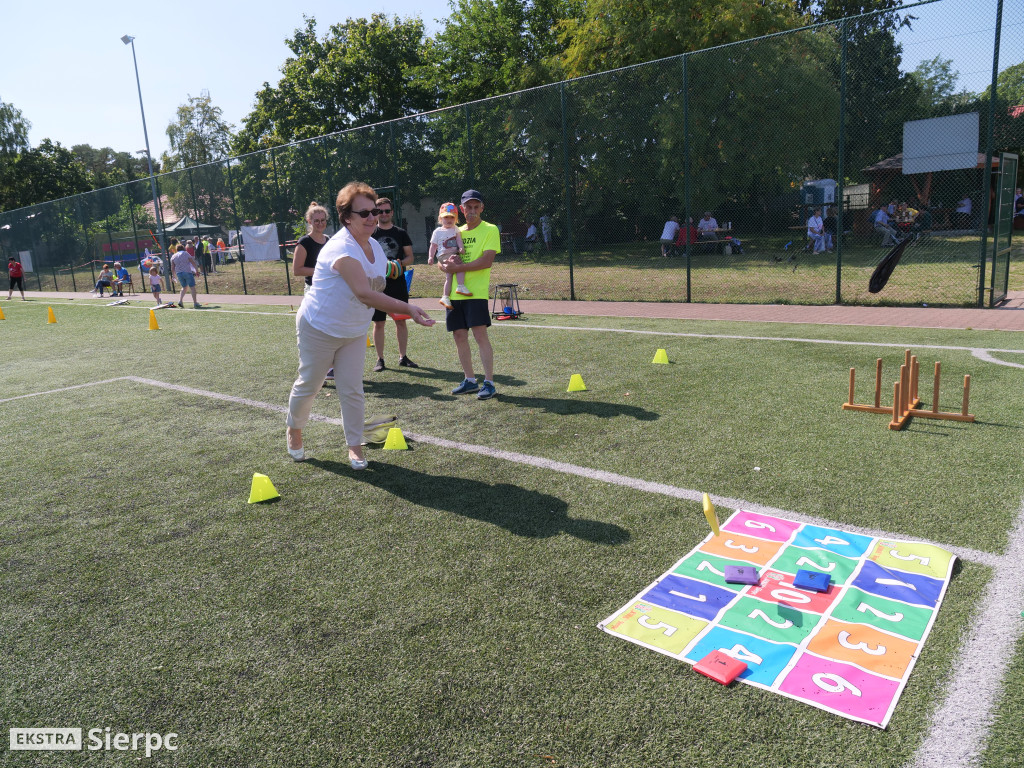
[{"x": 1008, "y": 317}]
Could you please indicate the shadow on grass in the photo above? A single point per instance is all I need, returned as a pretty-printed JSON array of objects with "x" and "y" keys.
[
  {"x": 519, "y": 511},
  {"x": 432, "y": 383},
  {"x": 574, "y": 406}
]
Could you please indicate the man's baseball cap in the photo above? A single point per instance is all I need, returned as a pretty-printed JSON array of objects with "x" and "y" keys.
[{"x": 472, "y": 194}]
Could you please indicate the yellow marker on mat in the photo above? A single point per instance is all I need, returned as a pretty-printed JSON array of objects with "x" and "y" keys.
[{"x": 711, "y": 515}]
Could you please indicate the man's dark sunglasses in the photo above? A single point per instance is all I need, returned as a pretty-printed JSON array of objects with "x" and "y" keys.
[
  {"x": 371, "y": 212},
  {"x": 385, "y": 210}
]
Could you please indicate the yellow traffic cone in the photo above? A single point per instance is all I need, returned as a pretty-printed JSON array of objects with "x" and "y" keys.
[
  {"x": 711, "y": 515},
  {"x": 396, "y": 440},
  {"x": 51, "y": 318},
  {"x": 576, "y": 384},
  {"x": 2, "y": 314},
  {"x": 262, "y": 489},
  {"x": 369, "y": 343},
  {"x": 660, "y": 357},
  {"x": 153, "y": 325}
]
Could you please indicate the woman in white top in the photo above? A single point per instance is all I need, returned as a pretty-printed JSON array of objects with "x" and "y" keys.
[{"x": 335, "y": 315}]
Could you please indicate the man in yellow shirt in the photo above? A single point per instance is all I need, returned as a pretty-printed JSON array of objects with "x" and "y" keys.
[{"x": 469, "y": 313}]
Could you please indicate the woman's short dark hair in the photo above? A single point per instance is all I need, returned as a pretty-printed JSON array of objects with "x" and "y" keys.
[{"x": 348, "y": 193}]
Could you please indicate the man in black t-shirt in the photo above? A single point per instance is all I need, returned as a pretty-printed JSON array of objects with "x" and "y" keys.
[{"x": 397, "y": 245}]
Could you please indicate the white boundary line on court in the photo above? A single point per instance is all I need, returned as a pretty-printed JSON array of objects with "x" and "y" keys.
[
  {"x": 959, "y": 725},
  {"x": 983, "y": 354}
]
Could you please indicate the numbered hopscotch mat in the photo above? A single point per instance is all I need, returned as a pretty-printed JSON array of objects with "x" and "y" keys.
[{"x": 848, "y": 650}]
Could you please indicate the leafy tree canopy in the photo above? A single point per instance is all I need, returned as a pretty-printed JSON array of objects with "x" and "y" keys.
[
  {"x": 13, "y": 130},
  {"x": 109, "y": 167},
  {"x": 1010, "y": 84},
  {"x": 361, "y": 72},
  {"x": 199, "y": 135},
  {"x": 490, "y": 47},
  {"x": 617, "y": 33},
  {"x": 46, "y": 172},
  {"x": 937, "y": 80}
]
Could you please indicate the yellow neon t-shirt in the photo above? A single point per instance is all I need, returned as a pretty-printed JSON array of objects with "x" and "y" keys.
[{"x": 483, "y": 237}]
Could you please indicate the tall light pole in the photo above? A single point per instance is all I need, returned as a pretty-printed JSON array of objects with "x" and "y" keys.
[{"x": 130, "y": 40}]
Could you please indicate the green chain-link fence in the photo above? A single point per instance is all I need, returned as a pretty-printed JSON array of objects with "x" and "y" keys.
[{"x": 756, "y": 134}]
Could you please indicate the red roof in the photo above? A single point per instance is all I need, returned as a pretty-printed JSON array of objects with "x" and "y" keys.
[
  {"x": 170, "y": 215},
  {"x": 1017, "y": 111}
]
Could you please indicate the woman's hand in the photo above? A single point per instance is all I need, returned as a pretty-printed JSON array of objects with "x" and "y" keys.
[{"x": 420, "y": 316}]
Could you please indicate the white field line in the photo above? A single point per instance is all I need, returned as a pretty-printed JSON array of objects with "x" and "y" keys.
[
  {"x": 539, "y": 462},
  {"x": 981, "y": 353},
  {"x": 956, "y": 736},
  {"x": 958, "y": 727}
]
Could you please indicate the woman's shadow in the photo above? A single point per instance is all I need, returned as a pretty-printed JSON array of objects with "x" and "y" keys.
[{"x": 518, "y": 510}]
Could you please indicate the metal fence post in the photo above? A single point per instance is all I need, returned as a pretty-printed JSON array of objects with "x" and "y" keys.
[
  {"x": 841, "y": 164},
  {"x": 986, "y": 193},
  {"x": 470, "y": 180},
  {"x": 570, "y": 244},
  {"x": 686, "y": 170},
  {"x": 397, "y": 202},
  {"x": 238, "y": 226},
  {"x": 195, "y": 210}
]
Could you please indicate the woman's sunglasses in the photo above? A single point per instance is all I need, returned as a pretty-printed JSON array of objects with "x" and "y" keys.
[{"x": 364, "y": 214}]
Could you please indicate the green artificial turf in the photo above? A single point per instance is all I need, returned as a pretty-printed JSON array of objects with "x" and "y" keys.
[{"x": 440, "y": 609}]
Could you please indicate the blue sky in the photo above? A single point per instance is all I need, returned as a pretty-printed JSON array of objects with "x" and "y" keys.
[{"x": 65, "y": 68}]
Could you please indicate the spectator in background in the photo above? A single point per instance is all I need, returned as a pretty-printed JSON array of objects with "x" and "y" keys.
[
  {"x": 211, "y": 253},
  {"x": 962, "y": 216},
  {"x": 881, "y": 224},
  {"x": 923, "y": 220},
  {"x": 154, "y": 284},
  {"x": 531, "y": 237},
  {"x": 183, "y": 264},
  {"x": 686, "y": 235},
  {"x": 221, "y": 248},
  {"x": 831, "y": 226},
  {"x": 707, "y": 227},
  {"x": 105, "y": 280},
  {"x": 17, "y": 277},
  {"x": 397, "y": 246},
  {"x": 469, "y": 314},
  {"x": 190, "y": 248},
  {"x": 121, "y": 278},
  {"x": 545, "y": 229},
  {"x": 816, "y": 230},
  {"x": 201, "y": 256},
  {"x": 668, "y": 235},
  {"x": 308, "y": 248}
]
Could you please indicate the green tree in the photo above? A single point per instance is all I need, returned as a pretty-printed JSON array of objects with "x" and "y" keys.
[
  {"x": 617, "y": 33},
  {"x": 199, "y": 135},
  {"x": 13, "y": 130},
  {"x": 47, "y": 172},
  {"x": 936, "y": 79},
  {"x": 109, "y": 167},
  {"x": 200, "y": 140},
  {"x": 361, "y": 72},
  {"x": 1010, "y": 84},
  {"x": 491, "y": 47}
]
